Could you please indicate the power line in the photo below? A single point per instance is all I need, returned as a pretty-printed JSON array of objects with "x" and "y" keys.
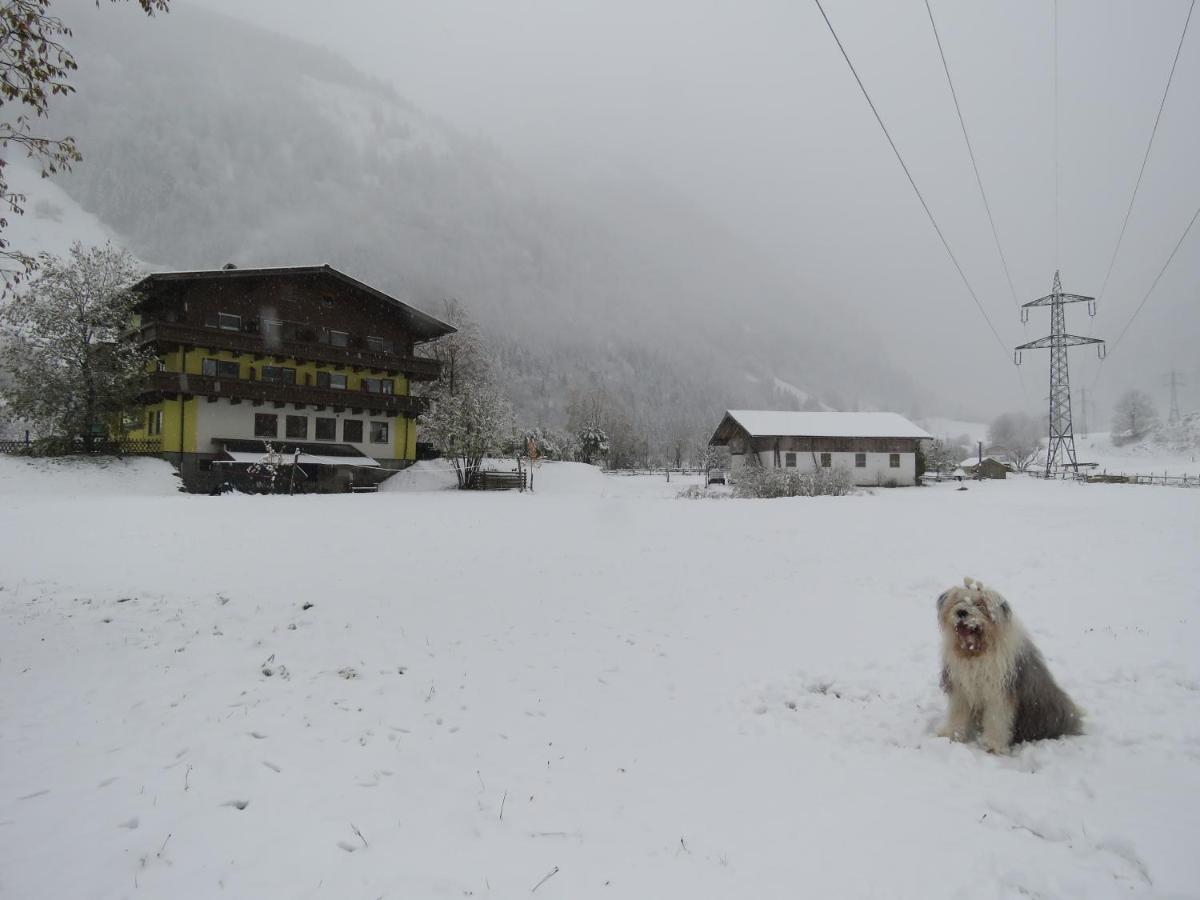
[
  {"x": 970, "y": 150},
  {"x": 1056, "y": 176},
  {"x": 1153, "y": 285},
  {"x": 911, "y": 180},
  {"x": 1146, "y": 157},
  {"x": 1178, "y": 244}
]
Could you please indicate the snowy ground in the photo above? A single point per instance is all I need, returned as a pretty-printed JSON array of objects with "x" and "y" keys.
[{"x": 624, "y": 694}]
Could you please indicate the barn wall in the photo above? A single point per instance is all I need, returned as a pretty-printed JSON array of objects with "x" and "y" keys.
[{"x": 876, "y": 471}]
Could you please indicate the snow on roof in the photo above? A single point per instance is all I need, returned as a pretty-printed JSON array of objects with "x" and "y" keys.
[
  {"x": 240, "y": 456},
  {"x": 974, "y": 460},
  {"x": 780, "y": 423}
]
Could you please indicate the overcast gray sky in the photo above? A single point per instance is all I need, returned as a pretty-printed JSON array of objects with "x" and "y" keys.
[{"x": 749, "y": 109}]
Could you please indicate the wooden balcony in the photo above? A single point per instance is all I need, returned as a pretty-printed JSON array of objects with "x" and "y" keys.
[
  {"x": 175, "y": 383},
  {"x": 172, "y": 334}
]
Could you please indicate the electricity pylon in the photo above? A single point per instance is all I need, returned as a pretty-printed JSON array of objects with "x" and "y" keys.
[
  {"x": 1173, "y": 416},
  {"x": 1060, "y": 448}
]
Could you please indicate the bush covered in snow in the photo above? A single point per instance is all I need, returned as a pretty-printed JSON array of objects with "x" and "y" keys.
[{"x": 760, "y": 482}]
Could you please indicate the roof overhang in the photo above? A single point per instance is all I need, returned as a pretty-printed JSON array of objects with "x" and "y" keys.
[
  {"x": 239, "y": 451},
  {"x": 764, "y": 423},
  {"x": 423, "y": 326}
]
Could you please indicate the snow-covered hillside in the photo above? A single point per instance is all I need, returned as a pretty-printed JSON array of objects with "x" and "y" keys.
[
  {"x": 595, "y": 691},
  {"x": 53, "y": 220},
  {"x": 1166, "y": 451}
]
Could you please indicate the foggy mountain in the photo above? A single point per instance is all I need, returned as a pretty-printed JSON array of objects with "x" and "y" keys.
[{"x": 207, "y": 141}]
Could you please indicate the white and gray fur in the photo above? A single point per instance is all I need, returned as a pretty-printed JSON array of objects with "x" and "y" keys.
[{"x": 996, "y": 679}]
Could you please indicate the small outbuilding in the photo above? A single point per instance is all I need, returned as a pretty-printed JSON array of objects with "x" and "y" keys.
[
  {"x": 988, "y": 467},
  {"x": 875, "y": 447}
]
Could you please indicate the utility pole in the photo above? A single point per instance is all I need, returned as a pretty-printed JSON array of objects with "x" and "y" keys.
[
  {"x": 1060, "y": 448},
  {"x": 1174, "y": 381}
]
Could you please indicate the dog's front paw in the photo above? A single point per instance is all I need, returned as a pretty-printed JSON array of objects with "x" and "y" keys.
[
  {"x": 995, "y": 745},
  {"x": 948, "y": 730}
]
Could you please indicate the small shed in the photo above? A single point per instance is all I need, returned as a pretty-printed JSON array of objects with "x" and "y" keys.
[
  {"x": 988, "y": 467},
  {"x": 875, "y": 447}
]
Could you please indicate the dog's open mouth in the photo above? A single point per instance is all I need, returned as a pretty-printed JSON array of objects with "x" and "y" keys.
[{"x": 970, "y": 636}]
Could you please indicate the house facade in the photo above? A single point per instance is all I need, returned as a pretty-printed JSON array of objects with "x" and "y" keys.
[
  {"x": 307, "y": 360},
  {"x": 875, "y": 448}
]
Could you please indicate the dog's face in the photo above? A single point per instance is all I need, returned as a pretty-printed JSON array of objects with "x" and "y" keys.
[{"x": 970, "y": 617}]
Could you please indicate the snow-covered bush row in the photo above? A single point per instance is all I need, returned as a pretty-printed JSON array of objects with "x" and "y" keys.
[{"x": 762, "y": 482}]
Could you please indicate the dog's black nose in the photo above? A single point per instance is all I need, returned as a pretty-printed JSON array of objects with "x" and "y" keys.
[{"x": 962, "y": 613}]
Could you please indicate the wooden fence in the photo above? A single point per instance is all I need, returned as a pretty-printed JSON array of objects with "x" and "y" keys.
[
  {"x": 100, "y": 447},
  {"x": 1164, "y": 479}
]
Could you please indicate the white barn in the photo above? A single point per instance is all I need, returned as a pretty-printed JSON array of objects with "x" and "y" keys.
[{"x": 875, "y": 447}]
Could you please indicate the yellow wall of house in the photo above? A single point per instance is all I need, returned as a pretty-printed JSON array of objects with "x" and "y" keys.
[
  {"x": 404, "y": 431},
  {"x": 406, "y": 438},
  {"x": 174, "y": 419}
]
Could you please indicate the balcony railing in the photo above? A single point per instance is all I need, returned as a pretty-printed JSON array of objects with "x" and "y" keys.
[
  {"x": 274, "y": 392},
  {"x": 415, "y": 367}
]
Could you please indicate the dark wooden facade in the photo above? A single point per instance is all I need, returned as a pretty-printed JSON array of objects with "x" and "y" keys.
[{"x": 288, "y": 312}]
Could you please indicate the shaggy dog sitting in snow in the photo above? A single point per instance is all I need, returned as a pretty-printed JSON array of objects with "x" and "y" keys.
[{"x": 996, "y": 679}]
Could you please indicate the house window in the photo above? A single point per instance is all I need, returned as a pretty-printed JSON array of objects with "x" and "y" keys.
[
  {"x": 379, "y": 385},
  {"x": 379, "y": 432},
  {"x": 352, "y": 431},
  {"x": 266, "y": 425},
  {"x": 337, "y": 338},
  {"x": 379, "y": 345},
  {"x": 154, "y": 422},
  {"x": 327, "y": 302},
  {"x": 279, "y": 374},
  {"x": 220, "y": 368},
  {"x": 789, "y": 460},
  {"x": 894, "y": 460},
  {"x": 826, "y": 460},
  {"x": 860, "y": 460},
  {"x": 331, "y": 380},
  {"x": 326, "y": 429},
  {"x": 297, "y": 427},
  {"x": 229, "y": 322}
]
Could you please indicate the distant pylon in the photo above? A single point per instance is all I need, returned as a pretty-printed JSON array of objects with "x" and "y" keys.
[
  {"x": 1173, "y": 416},
  {"x": 1083, "y": 411},
  {"x": 1060, "y": 448}
]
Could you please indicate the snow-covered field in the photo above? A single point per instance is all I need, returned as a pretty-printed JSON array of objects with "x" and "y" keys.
[
  {"x": 1136, "y": 459},
  {"x": 595, "y": 690}
]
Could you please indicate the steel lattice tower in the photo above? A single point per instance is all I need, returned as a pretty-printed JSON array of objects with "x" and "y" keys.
[
  {"x": 1060, "y": 448},
  {"x": 1173, "y": 416}
]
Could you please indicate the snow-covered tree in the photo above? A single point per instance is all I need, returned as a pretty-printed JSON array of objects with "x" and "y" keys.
[
  {"x": 1018, "y": 436},
  {"x": 1133, "y": 416},
  {"x": 70, "y": 372},
  {"x": 469, "y": 417},
  {"x": 593, "y": 444},
  {"x": 467, "y": 425}
]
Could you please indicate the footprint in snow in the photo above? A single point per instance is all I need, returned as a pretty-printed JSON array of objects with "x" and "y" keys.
[
  {"x": 237, "y": 804},
  {"x": 347, "y": 846}
]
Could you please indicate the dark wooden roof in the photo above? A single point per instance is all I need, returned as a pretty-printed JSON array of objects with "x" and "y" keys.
[{"x": 423, "y": 326}]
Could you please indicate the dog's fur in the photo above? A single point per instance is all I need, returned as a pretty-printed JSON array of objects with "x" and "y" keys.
[{"x": 996, "y": 679}]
